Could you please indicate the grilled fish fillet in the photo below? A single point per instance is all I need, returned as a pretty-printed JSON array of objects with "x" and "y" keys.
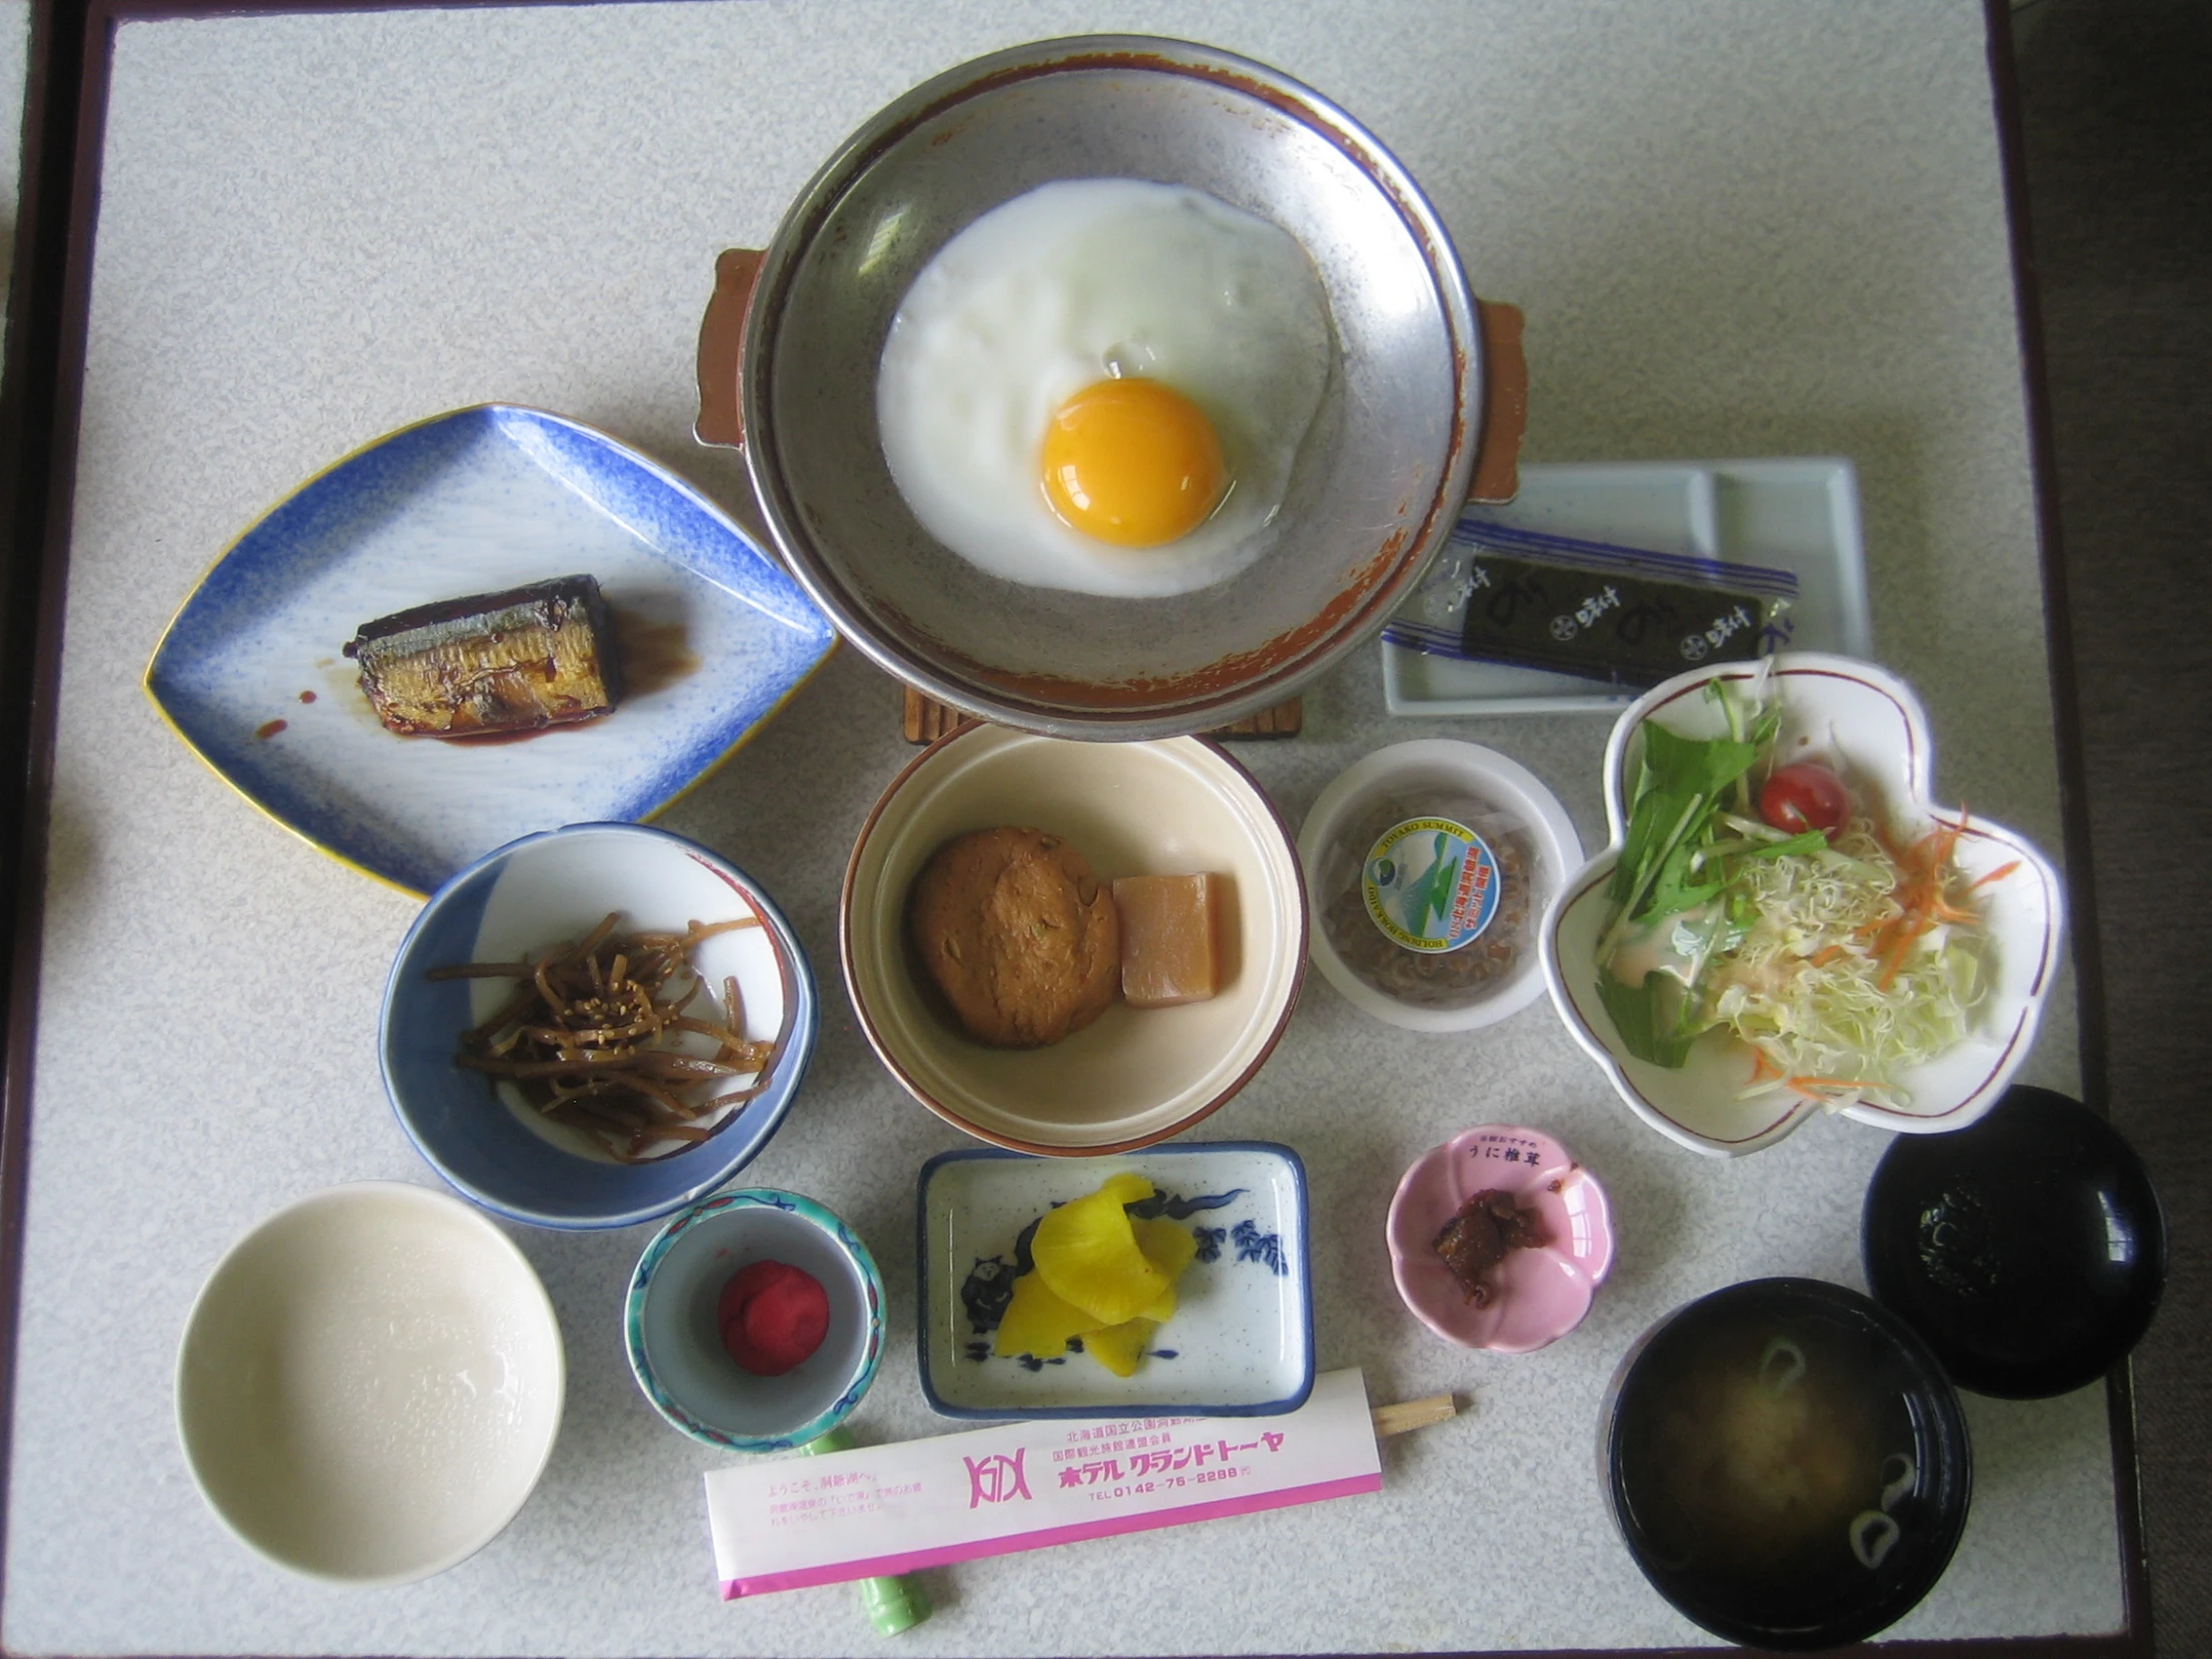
[{"x": 531, "y": 657}]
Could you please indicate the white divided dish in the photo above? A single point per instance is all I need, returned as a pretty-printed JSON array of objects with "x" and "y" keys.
[
  {"x": 1241, "y": 1343},
  {"x": 1801, "y": 516},
  {"x": 370, "y": 1383}
]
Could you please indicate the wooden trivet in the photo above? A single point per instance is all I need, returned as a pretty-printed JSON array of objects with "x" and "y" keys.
[{"x": 926, "y": 720}]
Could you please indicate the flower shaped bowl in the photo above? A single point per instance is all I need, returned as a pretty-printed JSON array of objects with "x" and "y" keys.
[
  {"x": 1868, "y": 726},
  {"x": 1538, "y": 1296}
]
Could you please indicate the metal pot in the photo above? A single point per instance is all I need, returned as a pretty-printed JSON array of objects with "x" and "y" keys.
[{"x": 1427, "y": 396}]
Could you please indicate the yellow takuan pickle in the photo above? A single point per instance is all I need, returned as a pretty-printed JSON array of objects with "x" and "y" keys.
[
  {"x": 1099, "y": 1276},
  {"x": 1040, "y": 1323},
  {"x": 1119, "y": 1347},
  {"x": 1086, "y": 1252}
]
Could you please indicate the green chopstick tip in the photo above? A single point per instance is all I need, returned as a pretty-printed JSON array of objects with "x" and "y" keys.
[{"x": 893, "y": 1605}]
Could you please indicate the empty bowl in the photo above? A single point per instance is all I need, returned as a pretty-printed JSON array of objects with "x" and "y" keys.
[
  {"x": 2028, "y": 1250},
  {"x": 1787, "y": 1464},
  {"x": 1375, "y": 487},
  {"x": 518, "y": 903},
  {"x": 1535, "y": 1294},
  {"x": 672, "y": 1326},
  {"x": 1179, "y": 805},
  {"x": 369, "y": 1385}
]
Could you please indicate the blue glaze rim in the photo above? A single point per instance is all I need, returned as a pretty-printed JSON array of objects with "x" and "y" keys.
[
  {"x": 666, "y": 1183},
  {"x": 1302, "y": 1271},
  {"x": 671, "y": 518},
  {"x": 641, "y": 1289}
]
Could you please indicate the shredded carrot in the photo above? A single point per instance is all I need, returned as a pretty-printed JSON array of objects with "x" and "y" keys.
[
  {"x": 1813, "y": 1088},
  {"x": 1923, "y": 905}
]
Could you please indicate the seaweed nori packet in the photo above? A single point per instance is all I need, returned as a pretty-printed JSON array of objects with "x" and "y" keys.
[{"x": 1622, "y": 616}]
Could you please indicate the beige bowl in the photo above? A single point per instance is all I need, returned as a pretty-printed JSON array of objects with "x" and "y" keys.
[{"x": 1174, "y": 807}]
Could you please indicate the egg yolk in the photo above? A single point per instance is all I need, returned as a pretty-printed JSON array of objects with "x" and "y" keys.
[{"x": 1133, "y": 462}]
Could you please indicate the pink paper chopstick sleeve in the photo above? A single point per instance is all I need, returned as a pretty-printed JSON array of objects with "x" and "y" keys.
[{"x": 888, "y": 1510}]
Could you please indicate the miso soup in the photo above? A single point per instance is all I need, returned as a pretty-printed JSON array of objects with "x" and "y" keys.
[{"x": 1771, "y": 1465}]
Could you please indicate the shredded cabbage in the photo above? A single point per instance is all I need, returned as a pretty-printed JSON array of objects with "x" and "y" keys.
[{"x": 1802, "y": 979}]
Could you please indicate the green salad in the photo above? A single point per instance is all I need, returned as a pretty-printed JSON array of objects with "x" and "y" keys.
[{"x": 1765, "y": 901}]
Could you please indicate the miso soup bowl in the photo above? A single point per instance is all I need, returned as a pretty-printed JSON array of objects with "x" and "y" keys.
[
  {"x": 1423, "y": 385},
  {"x": 1898, "y": 1496}
]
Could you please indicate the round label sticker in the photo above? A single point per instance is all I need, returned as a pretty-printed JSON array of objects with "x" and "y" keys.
[{"x": 1432, "y": 885}]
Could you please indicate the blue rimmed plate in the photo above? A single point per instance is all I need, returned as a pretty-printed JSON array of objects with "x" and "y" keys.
[
  {"x": 1241, "y": 1343},
  {"x": 515, "y": 904},
  {"x": 715, "y": 637}
]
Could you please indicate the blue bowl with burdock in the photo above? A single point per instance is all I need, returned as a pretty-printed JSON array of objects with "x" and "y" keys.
[
  {"x": 2028, "y": 1249},
  {"x": 1787, "y": 1464},
  {"x": 1170, "y": 1280},
  {"x": 596, "y": 1026}
]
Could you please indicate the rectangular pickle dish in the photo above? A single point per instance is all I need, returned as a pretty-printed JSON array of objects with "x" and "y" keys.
[{"x": 1240, "y": 1341}]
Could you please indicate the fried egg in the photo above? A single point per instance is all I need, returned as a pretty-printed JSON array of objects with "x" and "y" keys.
[{"x": 1102, "y": 385}]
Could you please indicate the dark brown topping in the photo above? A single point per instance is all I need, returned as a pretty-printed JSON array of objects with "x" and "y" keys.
[
  {"x": 590, "y": 1036},
  {"x": 1487, "y": 1227}
]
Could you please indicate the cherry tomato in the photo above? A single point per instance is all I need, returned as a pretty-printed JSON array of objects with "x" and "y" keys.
[{"x": 1805, "y": 796}]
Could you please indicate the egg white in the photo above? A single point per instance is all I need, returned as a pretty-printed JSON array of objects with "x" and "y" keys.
[{"x": 1074, "y": 283}]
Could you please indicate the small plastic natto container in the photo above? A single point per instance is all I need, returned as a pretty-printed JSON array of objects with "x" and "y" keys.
[{"x": 1428, "y": 866}]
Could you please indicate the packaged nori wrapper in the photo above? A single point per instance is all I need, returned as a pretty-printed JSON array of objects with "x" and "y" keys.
[{"x": 1622, "y": 616}]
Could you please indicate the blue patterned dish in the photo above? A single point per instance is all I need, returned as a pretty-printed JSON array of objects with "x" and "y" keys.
[
  {"x": 715, "y": 637},
  {"x": 1241, "y": 1343},
  {"x": 670, "y": 1330},
  {"x": 516, "y": 904}
]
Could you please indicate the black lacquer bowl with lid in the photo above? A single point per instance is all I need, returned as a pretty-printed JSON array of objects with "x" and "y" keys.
[{"x": 2027, "y": 1249}]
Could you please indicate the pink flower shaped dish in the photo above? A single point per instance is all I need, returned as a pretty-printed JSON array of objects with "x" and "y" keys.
[
  {"x": 1866, "y": 726},
  {"x": 1532, "y": 1296}
]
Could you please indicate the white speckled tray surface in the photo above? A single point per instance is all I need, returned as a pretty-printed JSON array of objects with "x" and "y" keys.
[{"x": 1737, "y": 230}]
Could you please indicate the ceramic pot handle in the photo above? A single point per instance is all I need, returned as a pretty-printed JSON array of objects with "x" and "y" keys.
[
  {"x": 1504, "y": 403},
  {"x": 722, "y": 348}
]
